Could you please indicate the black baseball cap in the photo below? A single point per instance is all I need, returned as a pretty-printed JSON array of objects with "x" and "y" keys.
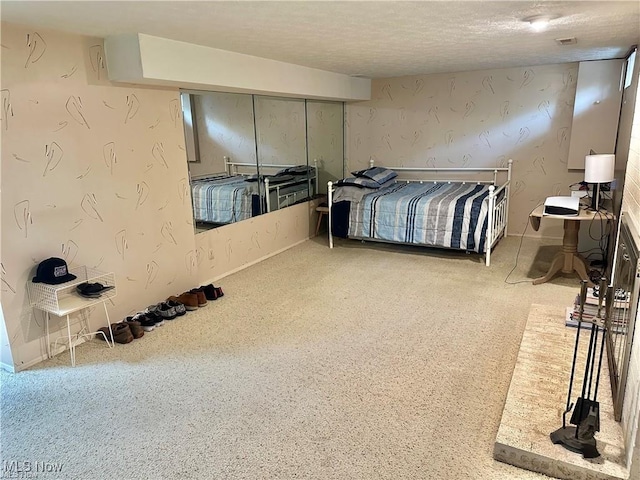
[{"x": 53, "y": 271}]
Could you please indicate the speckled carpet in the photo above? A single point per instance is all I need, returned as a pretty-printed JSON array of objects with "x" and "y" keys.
[{"x": 362, "y": 362}]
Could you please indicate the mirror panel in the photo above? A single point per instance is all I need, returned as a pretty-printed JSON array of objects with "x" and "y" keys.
[
  {"x": 223, "y": 125},
  {"x": 241, "y": 147},
  {"x": 325, "y": 135},
  {"x": 282, "y": 150}
]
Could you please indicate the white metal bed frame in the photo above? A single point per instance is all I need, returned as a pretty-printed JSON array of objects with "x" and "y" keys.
[
  {"x": 498, "y": 209},
  {"x": 232, "y": 169}
]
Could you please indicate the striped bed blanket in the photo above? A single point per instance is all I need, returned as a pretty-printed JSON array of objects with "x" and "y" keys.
[
  {"x": 224, "y": 199},
  {"x": 451, "y": 215}
]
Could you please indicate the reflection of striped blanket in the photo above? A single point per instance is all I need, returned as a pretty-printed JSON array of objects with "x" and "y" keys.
[
  {"x": 438, "y": 214},
  {"x": 222, "y": 199}
]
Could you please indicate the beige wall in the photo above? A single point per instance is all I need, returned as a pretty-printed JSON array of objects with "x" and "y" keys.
[
  {"x": 631, "y": 195},
  {"x": 96, "y": 173},
  {"x": 479, "y": 118},
  {"x": 235, "y": 246},
  {"x": 631, "y": 208}
]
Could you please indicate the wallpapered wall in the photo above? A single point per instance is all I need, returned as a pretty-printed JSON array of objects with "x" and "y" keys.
[
  {"x": 92, "y": 173},
  {"x": 479, "y": 118},
  {"x": 631, "y": 208},
  {"x": 96, "y": 173}
]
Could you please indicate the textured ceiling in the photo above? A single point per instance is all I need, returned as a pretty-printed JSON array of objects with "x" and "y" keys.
[{"x": 372, "y": 39}]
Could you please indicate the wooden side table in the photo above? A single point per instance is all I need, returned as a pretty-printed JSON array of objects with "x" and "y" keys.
[
  {"x": 322, "y": 210},
  {"x": 568, "y": 260}
]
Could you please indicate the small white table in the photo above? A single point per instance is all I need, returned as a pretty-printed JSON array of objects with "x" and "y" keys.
[
  {"x": 568, "y": 260},
  {"x": 62, "y": 300}
]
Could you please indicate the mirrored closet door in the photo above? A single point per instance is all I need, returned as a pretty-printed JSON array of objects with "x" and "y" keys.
[{"x": 250, "y": 154}]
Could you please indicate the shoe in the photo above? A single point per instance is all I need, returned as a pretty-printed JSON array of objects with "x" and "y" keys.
[
  {"x": 156, "y": 318},
  {"x": 219, "y": 292},
  {"x": 202, "y": 298},
  {"x": 178, "y": 307},
  {"x": 121, "y": 333},
  {"x": 162, "y": 310},
  {"x": 107, "y": 334},
  {"x": 147, "y": 324},
  {"x": 189, "y": 300},
  {"x": 135, "y": 326},
  {"x": 209, "y": 292},
  {"x": 166, "y": 311}
]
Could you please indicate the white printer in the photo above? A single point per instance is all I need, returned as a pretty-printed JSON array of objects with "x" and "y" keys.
[{"x": 561, "y": 206}]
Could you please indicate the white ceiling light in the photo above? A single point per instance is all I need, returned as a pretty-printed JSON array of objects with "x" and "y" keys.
[{"x": 539, "y": 22}]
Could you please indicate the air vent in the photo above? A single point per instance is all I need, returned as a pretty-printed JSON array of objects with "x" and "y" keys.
[{"x": 566, "y": 41}]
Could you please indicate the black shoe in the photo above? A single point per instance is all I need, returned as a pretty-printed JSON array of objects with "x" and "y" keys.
[
  {"x": 147, "y": 323},
  {"x": 156, "y": 318},
  {"x": 210, "y": 292}
]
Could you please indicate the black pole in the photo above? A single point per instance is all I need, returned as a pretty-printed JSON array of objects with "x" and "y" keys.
[
  {"x": 584, "y": 380},
  {"x": 583, "y": 298}
]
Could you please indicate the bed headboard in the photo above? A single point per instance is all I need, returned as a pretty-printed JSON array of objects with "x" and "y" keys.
[{"x": 495, "y": 170}]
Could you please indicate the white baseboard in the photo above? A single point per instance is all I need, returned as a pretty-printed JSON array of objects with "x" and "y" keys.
[
  {"x": 535, "y": 237},
  {"x": 41, "y": 358},
  {"x": 7, "y": 368}
]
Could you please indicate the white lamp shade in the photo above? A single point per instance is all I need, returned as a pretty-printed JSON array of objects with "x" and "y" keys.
[{"x": 599, "y": 168}]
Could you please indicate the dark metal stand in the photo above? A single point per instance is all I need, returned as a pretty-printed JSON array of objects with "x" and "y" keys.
[{"x": 586, "y": 411}]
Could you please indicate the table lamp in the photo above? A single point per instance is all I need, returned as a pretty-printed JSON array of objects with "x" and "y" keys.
[{"x": 599, "y": 168}]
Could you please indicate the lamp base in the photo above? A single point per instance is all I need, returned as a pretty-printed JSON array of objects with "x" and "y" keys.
[{"x": 595, "y": 197}]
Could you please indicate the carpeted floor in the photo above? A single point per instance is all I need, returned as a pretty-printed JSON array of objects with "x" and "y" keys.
[{"x": 362, "y": 362}]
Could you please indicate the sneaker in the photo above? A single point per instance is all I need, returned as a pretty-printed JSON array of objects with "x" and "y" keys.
[
  {"x": 166, "y": 311},
  {"x": 162, "y": 310},
  {"x": 147, "y": 324},
  {"x": 202, "y": 298},
  {"x": 189, "y": 300},
  {"x": 156, "y": 318},
  {"x": 210, "y": 292},
  {"x": 179, "y": 307},
  {"x": 135, "y": 326}
]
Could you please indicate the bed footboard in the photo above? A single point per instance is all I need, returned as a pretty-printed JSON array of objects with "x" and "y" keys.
[
  {"x": 496, "y": 221},
  {"x": 498, "y": 215}
]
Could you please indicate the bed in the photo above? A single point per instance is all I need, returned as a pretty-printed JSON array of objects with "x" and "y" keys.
[
  {"x": 377, "y": 205},
  {"x": 234, "y": 195}
]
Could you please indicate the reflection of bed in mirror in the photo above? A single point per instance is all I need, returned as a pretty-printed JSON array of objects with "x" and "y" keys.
[
  {"x": 233, "y": 195},
  {"x": 222, "y": 198}
]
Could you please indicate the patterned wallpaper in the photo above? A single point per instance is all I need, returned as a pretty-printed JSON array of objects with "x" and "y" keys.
[
  {"x": 96, "y": 173},
  {"x": 631, "y": 208},
  {"x": 93, "y": 173},
  {"x": 631, "y": 197},
  {"x": 479, "y": 118}
]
